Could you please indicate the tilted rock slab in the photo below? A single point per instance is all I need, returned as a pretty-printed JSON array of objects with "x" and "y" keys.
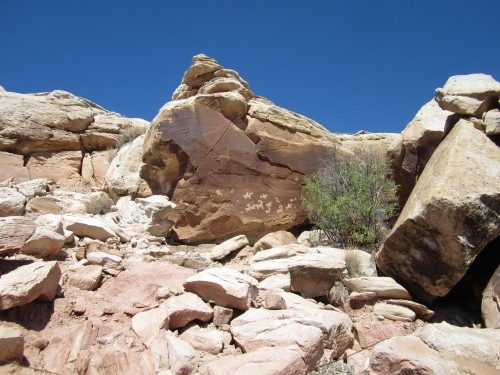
[
  {"x": 377, "y": 287},
  {"x": 15, "y": 231},
  {"x": 451, "y": 215},
  {"x": 38, "y": 280},
  {"x": 490, "y": 304},
  {"x": 185, "y": 308},
  {"x": 224, "y": 287}
]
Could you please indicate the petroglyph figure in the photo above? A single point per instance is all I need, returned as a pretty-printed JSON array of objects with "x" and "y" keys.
[
  {"x": 248, "y": 195},
  {"x": 263, "y": 196}
]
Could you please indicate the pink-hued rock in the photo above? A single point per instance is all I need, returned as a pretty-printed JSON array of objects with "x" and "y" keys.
[
  {"x": 61, "y": 167},
  {"x": 15, "y": 231},
  {"x": 377, "y": 287},
  {"x": 12, "y": 166},
  {"x": 223, "y": 286},
  {"x": 185, "y": 308},
  {"x": 204, "y": 339},
  {"x": 148, "y": 324},
  {"x": 183, "y": 358},
  {"x": 266, "y": 361}
]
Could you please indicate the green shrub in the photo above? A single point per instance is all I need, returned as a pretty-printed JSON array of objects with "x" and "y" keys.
[{"x": 350, "y": 198}]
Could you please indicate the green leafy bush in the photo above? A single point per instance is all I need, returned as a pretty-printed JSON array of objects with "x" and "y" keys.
[{"x": 350, "y": 198}]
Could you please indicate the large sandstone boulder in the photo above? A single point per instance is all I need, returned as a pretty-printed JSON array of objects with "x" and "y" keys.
[
  {"x": 471, "y": 94},
  {"x": 232, "y": 163},
  {"x": 38, "y": 280},
  {"x": 451, "y": 215}
]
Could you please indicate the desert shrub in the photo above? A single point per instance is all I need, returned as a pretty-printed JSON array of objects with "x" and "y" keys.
[
  {"x": 338, "y": 294},
  {"x": 334, "y": 368},
  {"x": 349, "y": 199},
  {"x": 129, "y": 133},
  {"x": 353, "y": 263},
  {"x": 97, "y": 203}
]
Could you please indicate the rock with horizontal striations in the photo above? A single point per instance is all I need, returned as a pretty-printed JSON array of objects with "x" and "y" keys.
[
  {"x": 35, "y": 281},
  {"x": 227, "y": 247},
  {"x": 11, "y": 344},
  {"x": 115, "y": 362},
  {"x": 224, "y": 287},
  {"x": 394, "y": 312},
  {"x": 266, "y": 361},
  {"x": 86, "y": 226},
  {"x": 15, "y": 231},
  {"x": 451, "y": 215},
  {"x": 471, "y": 94},
  {"x": 377, "y": 287},
  {"x": 185, "y": 308},
  {"x": 11, "y": 202}
]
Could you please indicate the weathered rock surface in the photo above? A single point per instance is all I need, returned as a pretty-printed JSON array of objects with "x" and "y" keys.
[
  {"x": 475, "y": 351},
  {"x": 275, "y": 239},
  {"x": 266, "y": 361},
  {"x": 182, "y": 356},
  {"x": 108, "y": 261},
  {"x": 33, "y": 188},
  {"x": 471, "y": 94},
  {"x": 490, "y": 305},
  {"x": 86, "y": 226},
  {"x": 148, "y": 324},
  {"x": 185, "y": 308},
  {"x": 86, "y": 278},
  {"x": 204, "y": 339},
  {"x": 44, "y": 242},
  {"x": 12, "y": 167},
  {"x": 491, "y": 120},
  {"x": 227, "y": 247},
  {"x": 394, "y": 312},
  {"x": 95, "y": 167},
  {"x": 377, "y": 287},
  {"x": 206, "y": 150},
  {"x": 11, "y": 344},
  {"x": 420, "y": 138},
  {"x": 11, "y": 202},
  {"x": 451, "y": 215},
  {"x": 38, "y": 280},
  {"x": 224, "y": 287},
  {"x": 61, "y": 167},
  {"x": 15, "y": 231}
]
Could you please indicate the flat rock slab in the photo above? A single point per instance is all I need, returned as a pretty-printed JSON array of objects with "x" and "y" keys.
[
  {"x": 11, "y": 344},
  {"x": 224, "y": 287},
  {"x": 267, "y": 361},
  {"x": 86, "y": 226},
  {"x": 148, "y": 324},
  {"x": 38, "y": 280},
  {"x": 394, "y": 312},
  {"x": 377, "y": 287},
  {"x": 86, "y": 278},
  {"x": 227, "y": 247}
]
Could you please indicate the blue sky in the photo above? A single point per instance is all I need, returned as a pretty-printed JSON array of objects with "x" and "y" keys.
[{"x": 349, "y": 65}]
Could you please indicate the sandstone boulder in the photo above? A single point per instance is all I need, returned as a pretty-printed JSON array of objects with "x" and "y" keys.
[
  {"x": 377, "y": 287},
  {"x": 275, "y": 239},
  {"x": 490, "y": 305},
  {"x": 147, "y": 324},
  {"x": 471, "y": 94},
  {"x": 122, "y": 176},
  {"x": 11, "y": 344},
  {"x": 227, "y": 247},
  {"x": 61, "y": 167},
  {"x": 491, "y": 121},
  {"x": 11, "y": 202},
  {"x": 222, "y": 315},
  {"x": 450, "y": 216},
  {"x": 86, "y": 226},
  {"x": 230, "y": 172},
  {"x": 95, "y": 167},
  {"x": 33, "y": 188},
  {"x": 394, "y": 312},
  {"x": 206, "y": 340},
  {"x": 183, "y": 358},
  {"x": 115, "y": 362},
  {"x": 44, "y": 242},
  {"x": 185, "y": 308},
  {"x": 108, "y": 261},
  {"x": 12, "y": 166},
  {"x": 266, "y": 361},
  {"x": 15, "y": 231},
  {"x": 86, "y": 278},
  {"x": 475, "y": 351},
  {"x": 224, "y": 287},
  {"x": 38, "y": 280}
]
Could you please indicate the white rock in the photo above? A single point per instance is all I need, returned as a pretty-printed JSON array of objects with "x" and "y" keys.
[
  {"x": 182, "y": 356},
  {"x": 86, "y": 278},
  {"x": 275, "y": 239},
  {"x": 33, "y": 188},
  {"x": 394, "y": 312},
  {"x": 185, "y": 308},
  {"x": 148, "y": 324},
  {"x": 382, "y": 287},
  {"x": 38, "y": 280},
  {"x": 11, "y": 202},
  {"x": 227, "y": 247},
  {"x": 85, "y": 226},
  {"x": 106, "y": 260},
  {"x": 224, "y": 287},
  {"x": 204, "y": 339},
  {"x": 11, "y": 344},
  {"x": 44, "y": 242}
]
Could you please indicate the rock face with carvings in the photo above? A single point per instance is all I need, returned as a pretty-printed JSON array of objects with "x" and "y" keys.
[{"x": 232, "y": 161}]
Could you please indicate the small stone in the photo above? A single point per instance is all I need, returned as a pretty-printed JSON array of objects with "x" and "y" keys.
[
  {"x": 274, "y": 301},
  {"x": 222, "y": 315}
]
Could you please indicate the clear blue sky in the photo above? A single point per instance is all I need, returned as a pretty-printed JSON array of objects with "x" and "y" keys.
[{"x": 349, "y": 64}]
